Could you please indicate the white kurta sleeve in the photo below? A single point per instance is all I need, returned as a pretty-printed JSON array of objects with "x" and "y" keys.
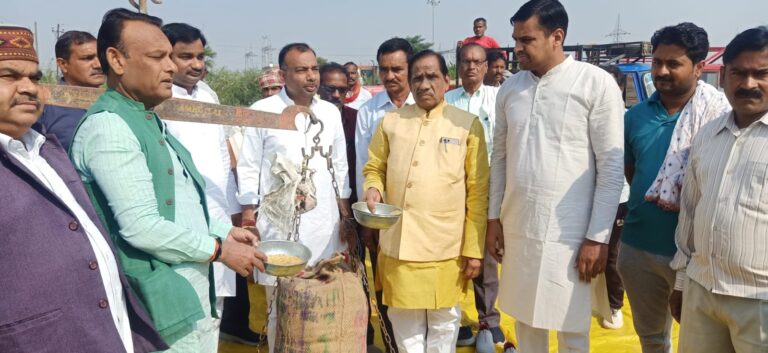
[
  {"x": 249, "y": 167},
  {"x": 498, "y": 159},
  {"x": 606, "y": 133}
]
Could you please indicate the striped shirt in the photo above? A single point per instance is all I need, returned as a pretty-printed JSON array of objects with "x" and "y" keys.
[{"x": 722, "y": 234}]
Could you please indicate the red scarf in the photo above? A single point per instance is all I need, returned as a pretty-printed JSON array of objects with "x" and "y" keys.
[{"x": 352, "y": 95}]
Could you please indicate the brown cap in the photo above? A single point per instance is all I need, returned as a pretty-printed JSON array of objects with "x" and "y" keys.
[{"x": 16, "y": 43}]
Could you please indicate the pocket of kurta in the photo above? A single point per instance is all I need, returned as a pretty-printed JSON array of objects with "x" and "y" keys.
[
  {"x": 30, "y": 322},
  {"x": 752, "y": 193},
  {"x": 450, "y": 162}
]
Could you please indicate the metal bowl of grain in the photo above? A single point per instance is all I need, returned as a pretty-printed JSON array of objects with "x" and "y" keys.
[
  {"x": 384, "y": 217},
  {"x": 284, "y": 258}
]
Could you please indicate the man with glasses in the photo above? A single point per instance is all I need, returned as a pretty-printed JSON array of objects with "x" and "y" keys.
[{"x": 334, "y": 85}]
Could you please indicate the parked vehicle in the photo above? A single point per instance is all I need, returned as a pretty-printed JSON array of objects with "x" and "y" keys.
[{"x": 633, "y": 59}]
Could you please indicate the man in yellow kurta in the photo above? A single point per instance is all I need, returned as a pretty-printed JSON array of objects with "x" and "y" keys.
[{"x": 430, "y": 159}]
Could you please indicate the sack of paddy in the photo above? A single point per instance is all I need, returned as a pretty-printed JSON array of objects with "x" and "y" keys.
[{"x": 323, "y": 309}]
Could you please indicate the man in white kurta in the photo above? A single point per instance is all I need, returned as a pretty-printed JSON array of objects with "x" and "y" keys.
[
  {"x": 556, "y": 178},
  {"x": 319, "y": 228},
  {"x": 206, "y": 143}
]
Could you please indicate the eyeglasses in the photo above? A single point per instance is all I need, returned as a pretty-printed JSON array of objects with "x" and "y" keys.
[
  {"x": 470, "y": 62},
  {"x": 331, "y": 89}
]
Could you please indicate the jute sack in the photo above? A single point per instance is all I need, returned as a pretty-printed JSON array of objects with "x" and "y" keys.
[{"x": 322, "y": 310}]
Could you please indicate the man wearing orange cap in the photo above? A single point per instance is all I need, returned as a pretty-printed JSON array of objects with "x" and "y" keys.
[{"x": 63, "y": 290}]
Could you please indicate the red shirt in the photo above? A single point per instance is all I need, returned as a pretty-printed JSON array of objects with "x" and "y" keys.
[{"x": 484, "y": 41}]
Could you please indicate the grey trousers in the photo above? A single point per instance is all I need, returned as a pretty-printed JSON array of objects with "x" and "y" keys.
[
  {"x": 487, "y": 290},
  {"x": 648, "y": 282}
]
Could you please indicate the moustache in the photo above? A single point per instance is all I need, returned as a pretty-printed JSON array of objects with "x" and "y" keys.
[
  {"x": 748, "y": 93},
  {"x": 662, "y": 79},
  {"x": 25, "y": 99}
]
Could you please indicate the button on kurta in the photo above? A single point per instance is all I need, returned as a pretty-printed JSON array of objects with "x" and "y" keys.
[
  {"x": 169, "y": 202},
  {"x": 410, "y": 185},
  {"x": 93, "y": 265},
  {"x": 149, "y": 116},
  {"x": 170, "y": 171},
  {"x": 103, "y": 304},
  {"x": 162, "y": 142},
  {"x": 73, "y": 226},
  {"x": 415, "y": 163}
]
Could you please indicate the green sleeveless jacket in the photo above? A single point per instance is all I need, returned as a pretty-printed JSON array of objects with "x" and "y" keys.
[{"x": 168, "y": 297}]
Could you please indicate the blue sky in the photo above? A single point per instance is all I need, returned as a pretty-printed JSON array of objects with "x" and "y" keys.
[{"x": 343, "y": 30}]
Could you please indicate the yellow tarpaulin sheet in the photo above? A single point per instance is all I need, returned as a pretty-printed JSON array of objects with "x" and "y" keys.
[{"x": 623, "y": 340}]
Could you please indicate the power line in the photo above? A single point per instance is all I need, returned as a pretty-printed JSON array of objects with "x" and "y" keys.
[{"x": 618, "y": 32}]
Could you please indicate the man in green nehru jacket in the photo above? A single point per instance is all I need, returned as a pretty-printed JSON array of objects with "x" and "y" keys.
[{"x": 147, "y": 190}]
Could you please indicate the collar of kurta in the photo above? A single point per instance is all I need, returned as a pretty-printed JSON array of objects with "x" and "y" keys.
[
  {"x": 476, "y": 94},
  {"x": 182, "y": 92},
  {"x": 434, "y": 113},
  {"x": 288, "y": 101},
  {"x": 555, "y": 70},
  {"x": 32, "y": 141},
  {"x": 729, "y": 123},
  {"x": 382, "y": 99}
]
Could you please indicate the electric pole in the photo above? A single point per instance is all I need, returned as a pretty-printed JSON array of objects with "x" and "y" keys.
[
  {"x": 266, "y": 52},
  {"x": 618, "y": 32},
  {"x": 249, "y": 59},
  {"x": 434, "y": 4},
  {"x": 57, "y": 32}
]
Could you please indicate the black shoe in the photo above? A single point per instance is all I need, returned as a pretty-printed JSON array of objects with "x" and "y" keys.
[{"x": 466, "y": 338}]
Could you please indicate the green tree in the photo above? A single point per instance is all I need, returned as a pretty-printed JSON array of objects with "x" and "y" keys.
[
  {"x": 236, "y": 88},
  {"x": 418, "y": 43},
  {"x": 49, "y": 77},
  {"x": 210, "y": 54},
  {"x": 321, "y": 61},
  {"x": 452, "y": 71}
]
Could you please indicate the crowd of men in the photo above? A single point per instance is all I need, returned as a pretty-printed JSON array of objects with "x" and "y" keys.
[{"x": 124, "y": 232}]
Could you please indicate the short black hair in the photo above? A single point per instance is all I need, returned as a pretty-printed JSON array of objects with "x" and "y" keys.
[
  {"x": 479, "y": 19},
  {"x": 753, "y": 39},
  {"x": 300, "y": 47},
  {"x": 333, "y": 67},
  {"x": 393, "y": 45},
  {"x": 686, "y": 35},
  {"x": 69, "y": 38},
  {"x": 551, "y": 14},
  {"x": 424, "y": 54},
  {"x": 349, "y": 63},
  {"x": 494, "y": 55},
  {"x": 466, "y": 47},
  {"x": 111, "y": 29},
  {"x": 182, "y": 32}
]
